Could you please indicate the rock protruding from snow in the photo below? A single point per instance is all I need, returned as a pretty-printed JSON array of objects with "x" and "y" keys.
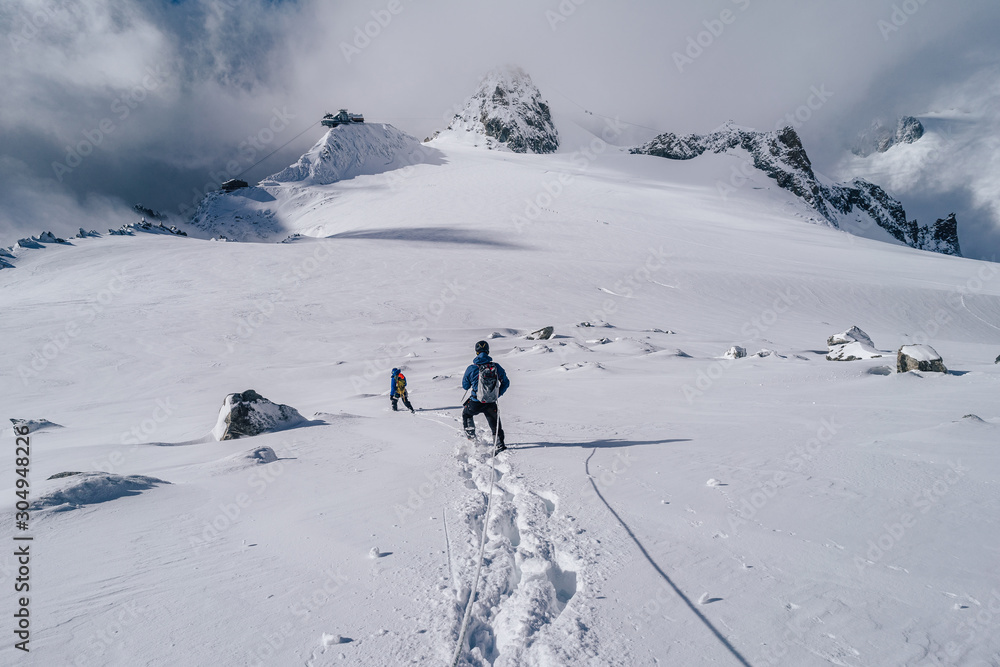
[
  {"x": 998, "y": 360},
  {"x": 248, "y": 413},
  {"x": 49, "y": 237},
  {"x": 879, "y": 138},
  {"x": 144, "y": 226},
  {"x": 350, "y": 150},
  {"x": 735, "y": 352},
  {"x": 544, "y": 333},
  {"x": 508, "y": 111},
  {"x": 854, "y": 334},
  {"x": 781, "y": 156},
  {"x": 89, "y": 488},
  {"x": 33, "y": 425},
  {"x": 263, "y": 455},
  {"x": 68, "y": 473},
  {"x": 851, "y": 345},
  {"x": 855, "y": 351},
  {"x": 919, "y": 358}
]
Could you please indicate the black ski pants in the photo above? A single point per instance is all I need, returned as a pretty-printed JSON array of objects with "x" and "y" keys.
[
  {"x": 473, "y": 408},
  {"x": 406, "y": 402}
]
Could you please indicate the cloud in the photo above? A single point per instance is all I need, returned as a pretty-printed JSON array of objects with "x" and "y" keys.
[
  {"x": 202, "y": 80},
  {"x": 32, "y": 205}
]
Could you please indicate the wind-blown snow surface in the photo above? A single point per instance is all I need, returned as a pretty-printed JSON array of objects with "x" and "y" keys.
[{"x": 852, "y": 518}]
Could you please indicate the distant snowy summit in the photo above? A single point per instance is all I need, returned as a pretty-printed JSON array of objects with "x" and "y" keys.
[
  {"x": 350, "y": 150},
  {"x": 344, "y": 152},
  {"x": 781, "y": 156},
  {"x": 507, "y": 111},
  {"x": 878, "y": 138}
]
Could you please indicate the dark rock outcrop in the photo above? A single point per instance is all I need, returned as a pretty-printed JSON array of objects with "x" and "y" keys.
[
  {"x": 60, "y": 475},
  {"x": 33, "y": 425},
  {"x": 248, "y": 413},
  {"x": 782, "y": 157},
  {"x": 508, "y": 109},
  {"x": 919, "y": 358},
  {"x": 147, "y": 212},
  {"x": 143, "y": 226}
]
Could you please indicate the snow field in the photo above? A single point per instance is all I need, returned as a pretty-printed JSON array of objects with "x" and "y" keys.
[{"x": 853, "y": 521}]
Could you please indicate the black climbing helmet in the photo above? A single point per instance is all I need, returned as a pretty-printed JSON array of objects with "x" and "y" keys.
[{"x": 482, "y": 346}]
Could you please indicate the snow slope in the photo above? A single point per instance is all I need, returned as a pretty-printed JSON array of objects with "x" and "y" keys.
[
  {"x": 274, "y": 208},
  {"x": 659, "y": 504}
]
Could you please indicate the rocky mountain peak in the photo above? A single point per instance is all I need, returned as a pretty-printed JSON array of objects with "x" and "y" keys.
[
  {"x": 879, "y": 138},
  {"x": 783, "y": 158},
  {"x": 508, "y": 111}
]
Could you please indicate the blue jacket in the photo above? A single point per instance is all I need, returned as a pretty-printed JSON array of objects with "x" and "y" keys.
[
  {"x": 471, "y": 377},
  {"x": 392, "y": 383}
]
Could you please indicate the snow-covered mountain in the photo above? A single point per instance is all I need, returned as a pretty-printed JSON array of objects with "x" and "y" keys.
[
  {"x": 857, "y": 206},
  {"x": 879, "y": 138},
  {"x": 507, "y": 111},
  {"x": 347, "y": 151},
  {"x": 794, "y": 501},
  {"x": 952, "y": 167},
  {"x": 279, "y": 205}
]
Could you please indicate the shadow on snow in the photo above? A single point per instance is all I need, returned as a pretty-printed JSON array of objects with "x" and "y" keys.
[
  {"x": 427, "y": 235},
  {"x": 601, "y": 444}
]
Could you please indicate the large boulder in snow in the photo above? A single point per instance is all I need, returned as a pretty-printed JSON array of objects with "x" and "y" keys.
[
  {"x": 544, "y": 333},
  {"x": 735, "y": 352},
  {"x": 248, "y": 413},
  {"x": 919, "y": 358},
  {"x": 854, "y": 334},
  {"x": 851, "y": 345},
  {"x": 507, "y": 111}
]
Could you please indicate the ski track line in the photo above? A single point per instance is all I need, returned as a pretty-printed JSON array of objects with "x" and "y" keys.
[
  {"x": 708, "y": 624},
  {"x": 977, "y": 316}
]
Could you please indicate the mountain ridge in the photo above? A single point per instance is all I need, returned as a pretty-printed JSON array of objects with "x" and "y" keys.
[{"x": 782, "y": 157}]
